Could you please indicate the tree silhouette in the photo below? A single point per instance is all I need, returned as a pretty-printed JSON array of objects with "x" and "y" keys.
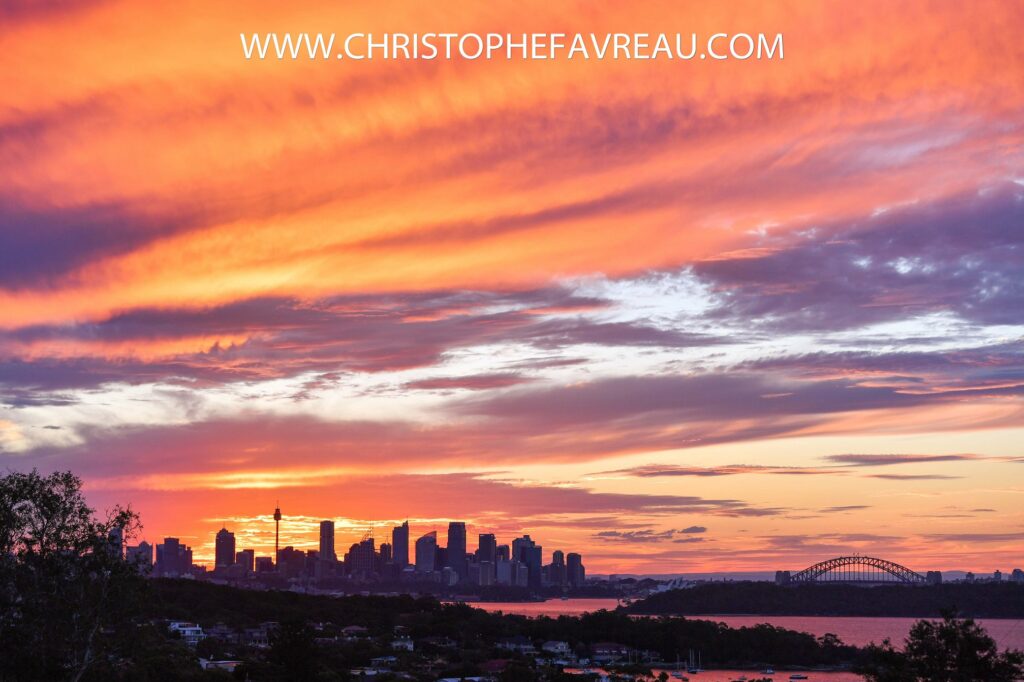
[
  {"x": 66, "y": 594},
  {"x": 950, "y": 650}
]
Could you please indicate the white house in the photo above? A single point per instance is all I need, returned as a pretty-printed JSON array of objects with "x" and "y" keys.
[{"x": 190, "y": 632}]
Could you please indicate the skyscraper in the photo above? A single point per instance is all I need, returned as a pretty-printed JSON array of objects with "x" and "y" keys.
[
  {"x": 426, "y": 549},
  {"x": 557, "y": 571},
  {"x": 142, "y": 556},
  {"x": 486, "y": 548},
  {"x": 361, "y": 558},
  {"x": 168, "y": 558},
  {"x": 400, "y": 544},
  {"x": 527, "y": 551},
  {"x": 225, "y": 549},
  {"x": 457, "y": 548},
  {"x": 246, "y": 558},
  {"x": 173, "y": 558},
  {"x": 576, "y": 574},
  {"x": 327, "y": 541}
]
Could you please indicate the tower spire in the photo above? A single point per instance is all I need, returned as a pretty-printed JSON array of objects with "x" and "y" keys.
[{"x": 277, "y": 535}]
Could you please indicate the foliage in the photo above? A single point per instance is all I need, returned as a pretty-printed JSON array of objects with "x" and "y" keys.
[
  {"x": 65, "y": 592},
  {"x": 949, "y": 650},
  {"x": 476, "y": 630}
]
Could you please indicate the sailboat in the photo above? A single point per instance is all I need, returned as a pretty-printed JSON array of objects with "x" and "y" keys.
[{"x": 694, "y": 668}]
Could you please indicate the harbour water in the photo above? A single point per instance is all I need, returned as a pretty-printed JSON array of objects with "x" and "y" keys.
[{"x": 852, "y": 629}]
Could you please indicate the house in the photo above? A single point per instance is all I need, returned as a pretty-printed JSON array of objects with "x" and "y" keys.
[
  {"x": 219, "y": 665},
  {"x": 224, "y": 633},
  {"x": 402, "y": 644},
  {"x": 354, "y": 632},
  {"x": 518, "y": 643},
  {"x": 607, "y": 652},
  {"x": 259, "y": 637},
  {"x": 560, "y": 649},
  {"x": 189, "y": 632},
  {"x": 439, "y": 642}
]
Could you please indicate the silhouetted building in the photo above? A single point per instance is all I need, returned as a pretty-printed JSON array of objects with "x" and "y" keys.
[
  {"x": 385, "y": 553},
  {"x": 457, "y": 548},
  {"x": 575, "y": 571},
  {"x": 115, "y": 538},
  {"x": 172, "y": 559},
  {"x": 291, "y": 562},
  {"x": 426, "y": 549},
  {"x": 224, "y": 553},
  {"x": 264, "y": 564},
  {"x": 528, "y": 552},
  {"x": 361, "y": 558},
  {"x": 486, "y": 548},
  {"x": 556, "y": 573},
  {"x": 246, "y": 558},
  {"x": 502, "y": 552},
  {"x": 327, "y": 541},
  {"x": 511, "y": 572},
  {"x": 142, "y": 556},
  {"x": 782, "y": 577},
  {"x": 933, "y": 577},
  {"x": 400, "y": 544}
]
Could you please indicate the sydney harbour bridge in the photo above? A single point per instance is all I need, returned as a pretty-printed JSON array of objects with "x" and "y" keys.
[{"x": 857, "y": 570}]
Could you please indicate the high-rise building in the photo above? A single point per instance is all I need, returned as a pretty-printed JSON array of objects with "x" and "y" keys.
[
  {"x": 168, "y": 559},
  {"x": 264, "y": 564},
  {"x": 486, "y": 548},
  {"x": 575, "y": 573},
  {"x": 426, "y": 549},
  {"x": 457, "y": 548},
  {"x": 115, "y": 538},
  {"x": 519, "y": 544},
  {"x": 246, "y": 558},
  {"x": 173, "y": 558},
  {"x": 400, "y": 544},
  {"x": 327, "y": 541},
  {"x": 385, "y": 553},
  {"x": 142, "y": 556},
  {"x": 502, "y": 552},
  {"x": 528, "y": 552},
  {"x": 291, "y": 562},
  {"x": 224, "y": 554},
  {"x": 360, "y": 559},
  {"x": 557, "y": 574}
]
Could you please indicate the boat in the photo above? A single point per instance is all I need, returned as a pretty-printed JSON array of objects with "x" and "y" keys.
[
  {"x": 679, "y": 676},
  {"x": 768, "y": 671},
  {"x": 798, "y": 676}
]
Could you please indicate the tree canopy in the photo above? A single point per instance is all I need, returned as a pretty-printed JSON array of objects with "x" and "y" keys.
[{"x": 950, "y": 650}]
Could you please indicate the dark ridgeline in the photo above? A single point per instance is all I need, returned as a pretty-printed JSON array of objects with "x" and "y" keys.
[{"x": 1002, "y": 599}]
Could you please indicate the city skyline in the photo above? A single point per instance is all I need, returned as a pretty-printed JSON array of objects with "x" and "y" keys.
[
  {"x": 404, "y": 559},
  {"x": 681, "y": 316}
]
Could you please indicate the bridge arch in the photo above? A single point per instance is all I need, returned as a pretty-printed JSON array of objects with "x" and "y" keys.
[{"x": 858, "y": 569}]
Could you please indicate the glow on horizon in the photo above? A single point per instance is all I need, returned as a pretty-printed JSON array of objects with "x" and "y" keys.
[{"x": 601, "y": 303}]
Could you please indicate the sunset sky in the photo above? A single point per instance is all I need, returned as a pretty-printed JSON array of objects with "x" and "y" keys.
[{"x": 677, "y": 316}]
